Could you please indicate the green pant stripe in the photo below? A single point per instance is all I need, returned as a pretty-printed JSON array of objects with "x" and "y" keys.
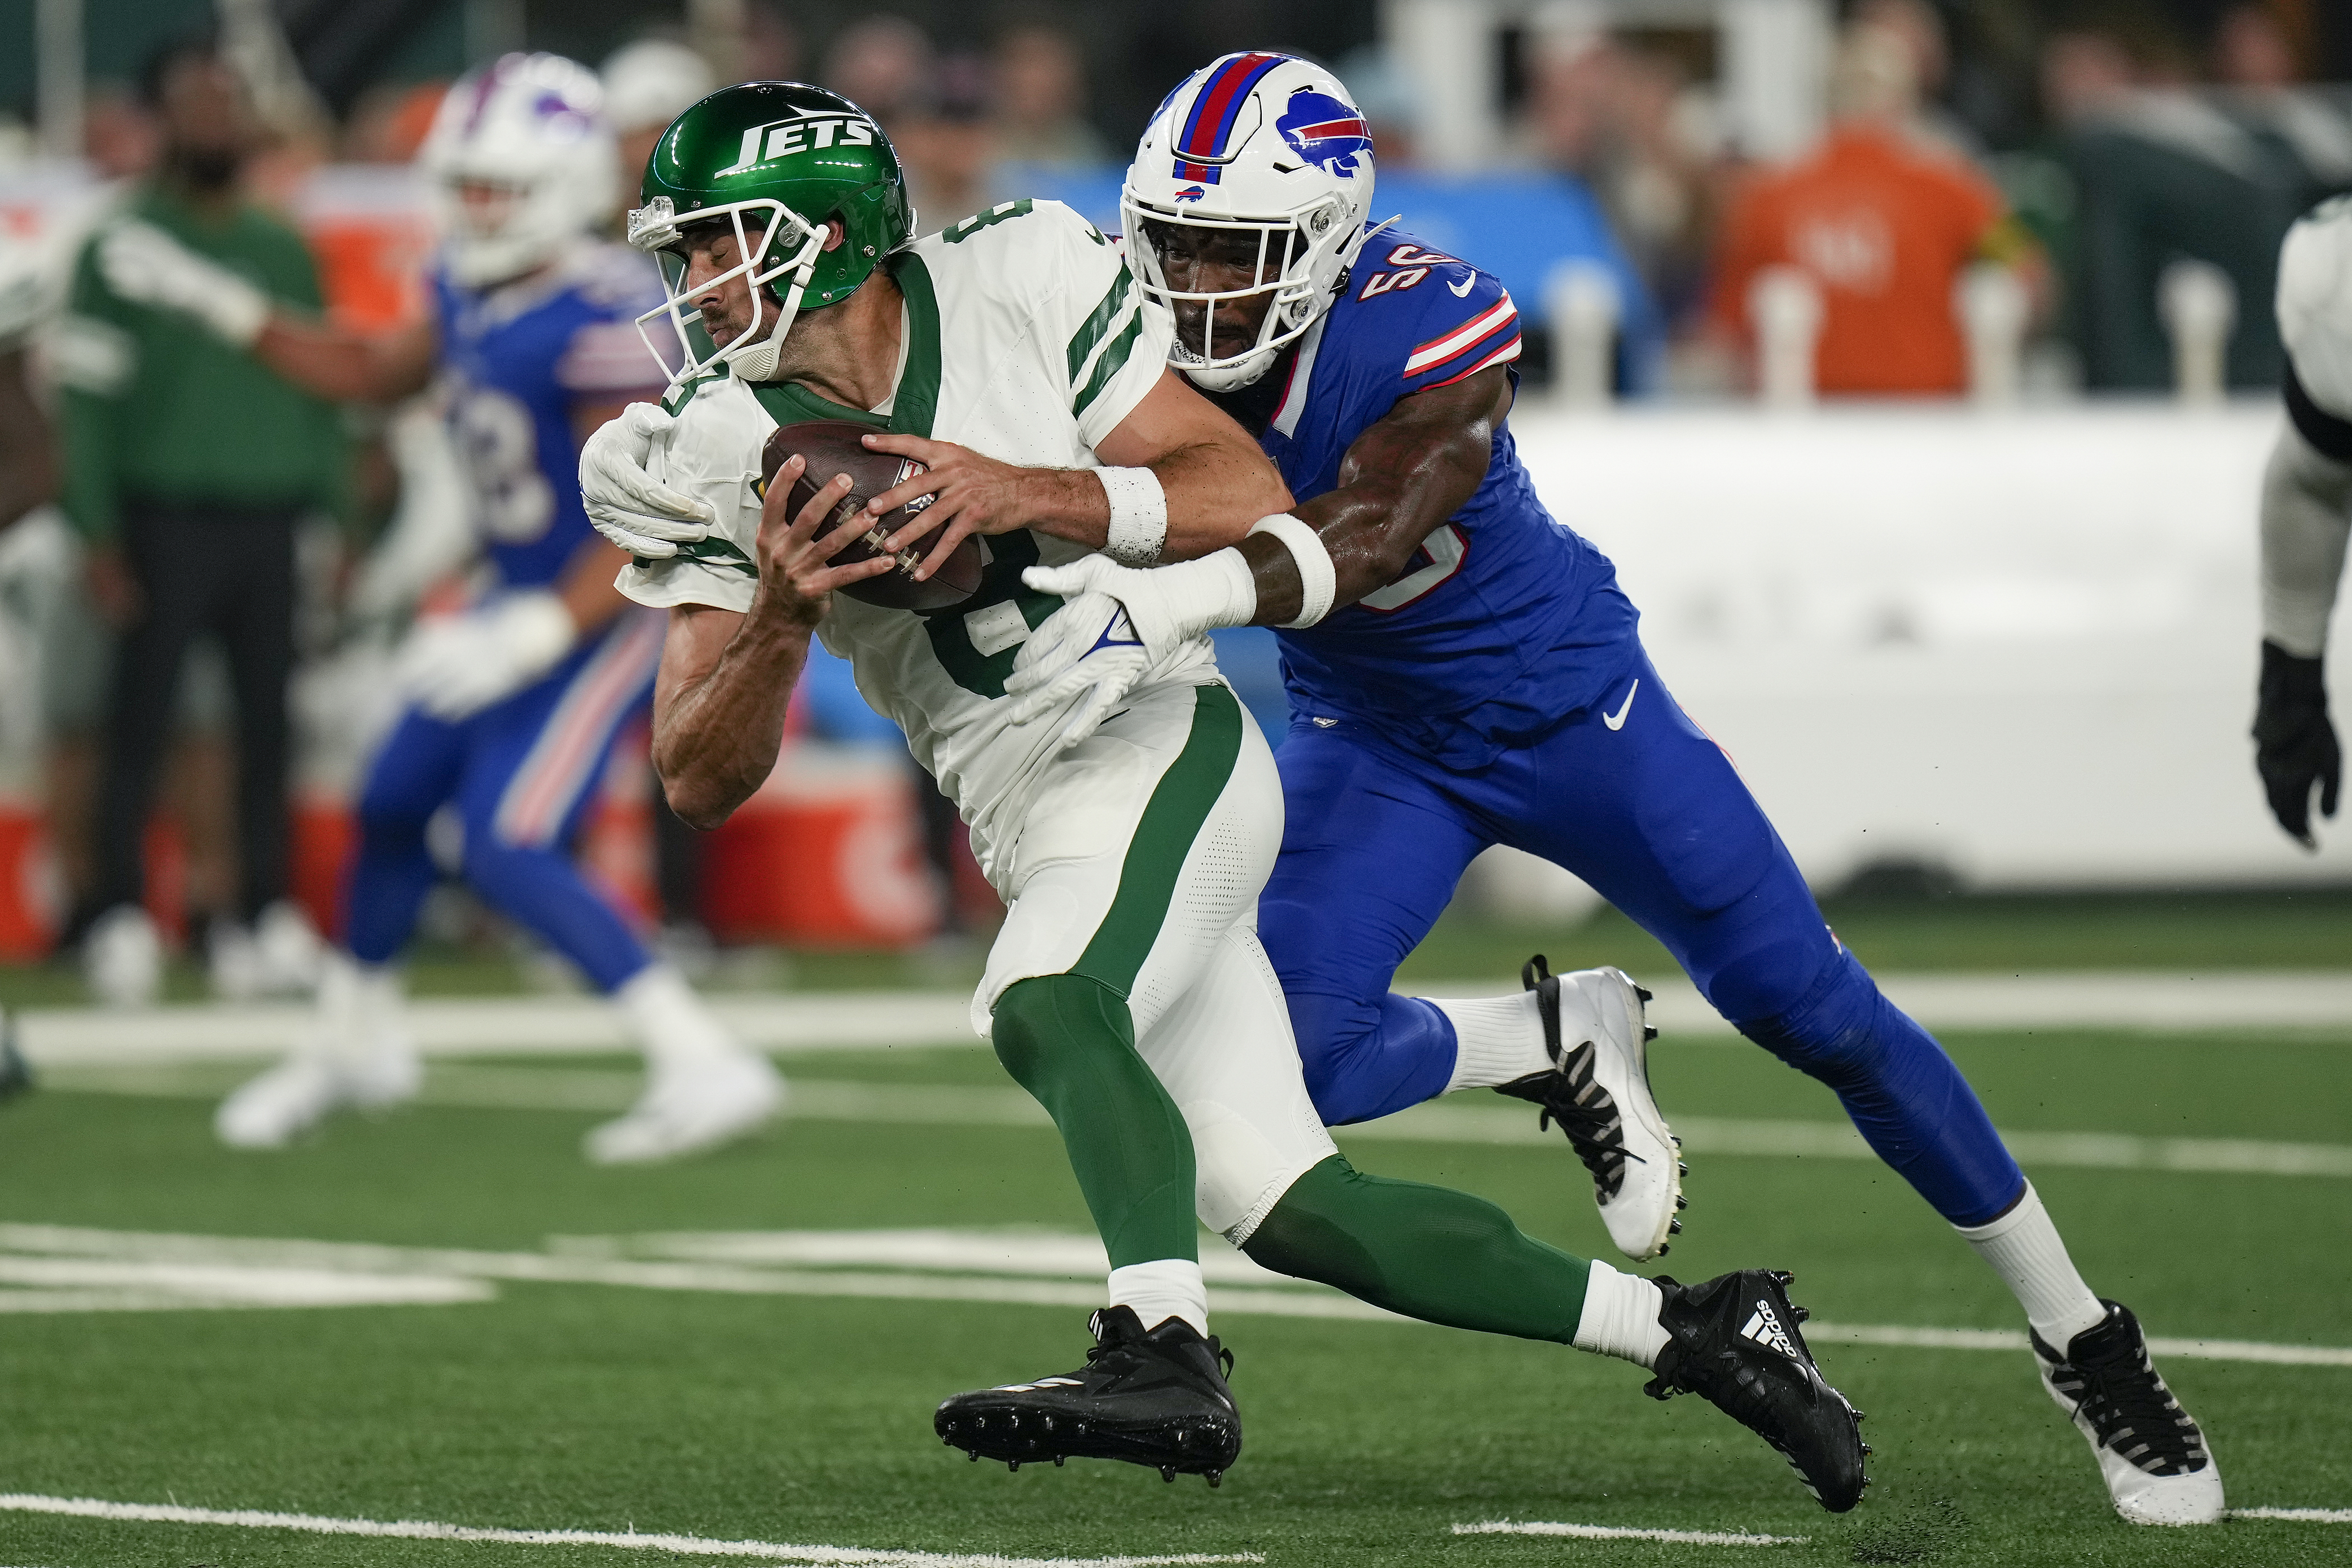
[{"x": 1164, "y": 835}]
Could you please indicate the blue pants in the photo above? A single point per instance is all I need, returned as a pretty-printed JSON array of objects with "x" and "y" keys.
[
  {"x": 1653, "y": 815},
  {"x": 520, "y": 774}
]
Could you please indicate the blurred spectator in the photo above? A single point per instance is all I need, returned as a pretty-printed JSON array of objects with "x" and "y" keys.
[
  {"x": 388, "y": 123},
  {"x": 2250, "y": 50},
  {"x": 1389, "y": 104},
  {"x": 1617, "y": 119},
  {"x": 120, "y": 137},
  {"x": 769, "y": 49},
  {"x": 947, "y": 145},
  {"x": 883, "y": 65},
  {"x": 187, "y": 468},
  {"x": 1884, "y": 222},
  {"x": 1040, "y": 91},
  {"x": 2160, "y": 171},
  {"x": 647, "y": 84}
]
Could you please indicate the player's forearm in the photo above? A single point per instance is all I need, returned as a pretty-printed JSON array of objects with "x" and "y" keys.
[
  {"x": 586, "y": 586},
  {"x": 1356, "y": 525},
  {"x": 2306, "y": 523},
  {"x": 1212, "y": 494},
  {"x": 346, "y": 366},
  {"x": 716, "y": 739}
]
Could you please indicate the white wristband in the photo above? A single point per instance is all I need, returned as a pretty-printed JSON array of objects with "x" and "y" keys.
[
  {"x": 1139, "y": 515},
  {"x": 1319, "y": 584}
]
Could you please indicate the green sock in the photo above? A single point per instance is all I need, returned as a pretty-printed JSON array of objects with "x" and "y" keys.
[
  {"x": 1428, "y": 1252},
  {"x": 1070, "y": 1041}
]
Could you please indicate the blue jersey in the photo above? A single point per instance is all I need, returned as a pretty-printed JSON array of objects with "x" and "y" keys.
[
  {"x": 1504, "y": 622},
  {"x": 516, "y": 360}
]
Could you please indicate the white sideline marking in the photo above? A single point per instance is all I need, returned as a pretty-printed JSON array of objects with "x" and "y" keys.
[
  {"x": 694, "y": 1545},
  {"x": 2160, "y": 1000},
  {"x": 1031, "y": 1268},
  {"x": 2308, "y": 1515},
  {"x": 1626, "y": 1532},
  {"x": 841, "y": 1099},
  {"x": 501, "y": 1026}
]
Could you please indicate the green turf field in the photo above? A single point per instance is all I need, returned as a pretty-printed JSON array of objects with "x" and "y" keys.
[{"x": 648, "y": 1388}]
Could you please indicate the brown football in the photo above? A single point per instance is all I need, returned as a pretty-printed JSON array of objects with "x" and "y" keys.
[{"x": 832, "y": 447}]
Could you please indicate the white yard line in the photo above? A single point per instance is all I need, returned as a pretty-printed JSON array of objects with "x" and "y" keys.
[
  {"x": 689, "y": 1545},
  {"x": 1014, "y": 1268},
  {"x": 2306, "y": 1515},
  {"x": 2161, "y": 1001},
  {"x": 1626, "y": 1532},
  {"x": 1459, "y": 1121}
]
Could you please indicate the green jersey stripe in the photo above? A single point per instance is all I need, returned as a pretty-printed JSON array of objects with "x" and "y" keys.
[
  {"x": 1172, "y": 820},
  {"x": 1090, "y": 332},
  {"x": 1113, "y": 361}
]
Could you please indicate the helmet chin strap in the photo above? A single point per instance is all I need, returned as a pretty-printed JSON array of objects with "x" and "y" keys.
[{"x": 758, "y": 361}]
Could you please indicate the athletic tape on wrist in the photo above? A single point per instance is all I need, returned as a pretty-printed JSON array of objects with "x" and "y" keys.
[
  {"x": 1139, "y": 515},
  {"x": 1317, "y": 583}
]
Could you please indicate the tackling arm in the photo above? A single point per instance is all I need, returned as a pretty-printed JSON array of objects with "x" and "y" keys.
[
  {"x": 1403, "y": 476},
  {"x": 1214, "y": 480},
  {"x": 344, "y": 366}
]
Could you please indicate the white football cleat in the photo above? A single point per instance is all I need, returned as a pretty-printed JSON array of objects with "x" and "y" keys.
[
  {"x": 2151, "y": 1452},
  {"x": 1600, "y": 1094},
  {"x": 273, "y": 1110},
  {"x": 357, "y": 1056},
  {"x": 688, "y": 1109},
  {"x": 122, "y": 958}
]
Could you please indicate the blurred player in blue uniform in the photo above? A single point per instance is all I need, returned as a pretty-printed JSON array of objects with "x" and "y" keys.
[
  {"x": 1464, "y": 671},
  {"x": 515, "y": 705}
]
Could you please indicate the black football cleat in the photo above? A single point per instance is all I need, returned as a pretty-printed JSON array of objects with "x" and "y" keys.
[
  {"x": 1735, "y": 1343},
  {"x": 2151, "y": 1454},
  {"x": 1158, "y": 1399},
  {"x": 1597, "y": 1092}
]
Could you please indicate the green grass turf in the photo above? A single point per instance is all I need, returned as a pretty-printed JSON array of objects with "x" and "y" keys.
[
  {"x": 2306, "y": 929},
  {"x": 804, "y": 1420}
]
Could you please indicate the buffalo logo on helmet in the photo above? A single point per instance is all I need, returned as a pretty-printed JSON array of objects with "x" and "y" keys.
[
  {"x": 1326, "y": 132},
  {"x": 1191, "y": 194}
]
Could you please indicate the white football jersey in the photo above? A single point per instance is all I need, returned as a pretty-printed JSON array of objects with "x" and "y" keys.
[
  {"x": 1023, "y": 338},
  {"x": 2314, "y": 304}
]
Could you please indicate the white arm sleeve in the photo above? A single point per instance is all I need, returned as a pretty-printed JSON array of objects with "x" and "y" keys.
[{"x": 2306, "y": 519}]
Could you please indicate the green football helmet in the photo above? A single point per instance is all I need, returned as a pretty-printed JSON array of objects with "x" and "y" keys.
[{"x": 790, "y": 156}]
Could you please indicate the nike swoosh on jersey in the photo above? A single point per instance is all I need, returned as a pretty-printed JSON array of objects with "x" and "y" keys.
[
  {"x": 1617, "y": 720},
  {"x": 1465, "y": 289}
]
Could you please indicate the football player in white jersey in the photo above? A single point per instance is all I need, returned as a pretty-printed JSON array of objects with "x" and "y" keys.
[
  {"x": 1129, "y": 815},
  {"x": 2307, "y": 514}
]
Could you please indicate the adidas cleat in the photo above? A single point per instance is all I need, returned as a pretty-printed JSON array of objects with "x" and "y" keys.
[
  {"x": 1599, "y": 1097},
  {"x": 1734, "y": 1342},
  {"x": 2151, "y": 1452},
  {"x": 1157, "y": 1399}
]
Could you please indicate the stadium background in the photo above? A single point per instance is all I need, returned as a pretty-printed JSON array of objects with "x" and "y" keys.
[{"x": 1987, "y": 657}]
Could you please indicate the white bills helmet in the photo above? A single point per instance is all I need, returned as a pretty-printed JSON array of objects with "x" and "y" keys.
[
  {"x": 1264, "y": 145},
  {"x": 533, "y": 126}
]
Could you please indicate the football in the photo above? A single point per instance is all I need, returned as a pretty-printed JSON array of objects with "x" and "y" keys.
[{"x": 833, "y": 446}]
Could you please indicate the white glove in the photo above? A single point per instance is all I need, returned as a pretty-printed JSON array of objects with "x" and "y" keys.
[
  {"x": 629, "y": 506},
  {"x": 1119, "y": 624},
  {"x": 457, "y": 666},
  {"x": 144, "y": 265},
  {"x": 1169, "y": 605},
  {"x": 1086, "y": 651}
]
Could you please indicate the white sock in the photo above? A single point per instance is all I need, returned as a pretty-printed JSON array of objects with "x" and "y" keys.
[
  {"x": 360, "y": 1009},
  {"x": 1170, "y": 1288},
  {"x": 1498, "y": 1040},
  {"x": 1621, "y": 1317},
  {"x": 676, "y": 1029},
  {"x": 2023, "y": 1248}
]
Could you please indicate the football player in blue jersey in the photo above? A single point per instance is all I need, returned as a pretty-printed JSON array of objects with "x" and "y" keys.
[
  {"x": 1464, "y": 671},
  {"x": 515, "y": 706}
]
